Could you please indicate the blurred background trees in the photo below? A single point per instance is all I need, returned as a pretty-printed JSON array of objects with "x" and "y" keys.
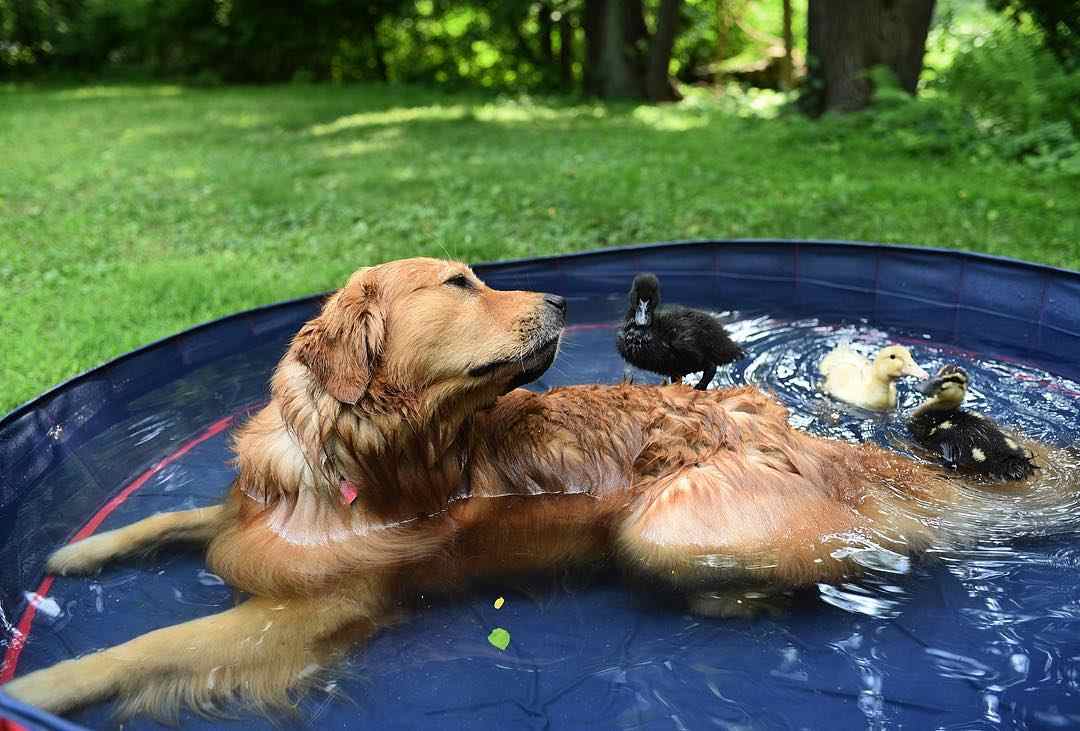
[
  {"x": 640, "y": 49},
  {"x": 1058, "y": 21},
  {"x": 606, "y": 48},
  {"x": 988, "y": 74}
]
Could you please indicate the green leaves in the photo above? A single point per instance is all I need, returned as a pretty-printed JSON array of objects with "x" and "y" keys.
[{"x": 499, "y": 638}]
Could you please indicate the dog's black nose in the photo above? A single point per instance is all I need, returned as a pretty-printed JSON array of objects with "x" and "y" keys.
[{"x": 559, "y": 303}]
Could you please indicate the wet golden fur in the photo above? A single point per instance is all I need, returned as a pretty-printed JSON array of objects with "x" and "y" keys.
[{"x": 403, "y": 386}]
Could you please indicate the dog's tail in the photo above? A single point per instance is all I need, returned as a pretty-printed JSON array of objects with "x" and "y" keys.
[{"x": 262, "y": 654}]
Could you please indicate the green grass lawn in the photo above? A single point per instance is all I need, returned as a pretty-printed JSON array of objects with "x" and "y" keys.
[{"x": 129, "y": 213}]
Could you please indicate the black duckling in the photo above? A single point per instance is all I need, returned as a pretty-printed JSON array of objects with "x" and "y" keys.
[
  {"x": 672, "y": 340},
  {"x": 967, "y": 441}
]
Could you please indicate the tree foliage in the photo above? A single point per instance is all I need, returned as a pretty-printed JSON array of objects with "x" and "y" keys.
[
  {"x": 1059, "y": 21},
  {"x": 512, "y": 44}
]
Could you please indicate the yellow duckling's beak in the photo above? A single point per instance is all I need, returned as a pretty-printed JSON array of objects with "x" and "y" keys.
[{"x": 912, "y": 369}]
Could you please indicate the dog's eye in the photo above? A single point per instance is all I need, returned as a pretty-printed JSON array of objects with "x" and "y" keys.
[{"x": 459, "y": 280}]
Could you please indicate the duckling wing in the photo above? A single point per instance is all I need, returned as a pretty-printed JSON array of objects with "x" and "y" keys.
[
  {"x": 936, "y": 431},
  {"x": 843, "y": 357},
  {"x": 722, "y": 349},
  {"x": 684, "y": 331},
  {"x": 847, "y": 375},
  {"x": 921, "y": 426},
  {"x": 998, "y": 454},
  {"x": 976, "y": 444},
  {"x": 703, "y": 334},
  {"x": 951, "y": 454}
]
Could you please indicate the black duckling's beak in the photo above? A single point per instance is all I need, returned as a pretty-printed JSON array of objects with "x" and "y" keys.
[
  {"x": 950, "y": 375},
  {"x": 929, "y": 387},
  {"x": 642, "y": 316}
]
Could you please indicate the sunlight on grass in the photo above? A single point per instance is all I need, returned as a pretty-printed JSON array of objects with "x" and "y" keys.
[
  {"x": 766, "y": 103},
  {"x": 404, "y": 174},
  {"x": 185, "y": 172},
  {"x": 399, "y": 115},
  {"x": 669, "y": 119},
  {"x": 503, "y": 111},
  {"x": 244, "y": 120},
  {"x": 117, "y": 92},
  {"x": 525, "y": 110},
  {"x": 378, "y": 142},
  {"x": 138, "y": 134}
]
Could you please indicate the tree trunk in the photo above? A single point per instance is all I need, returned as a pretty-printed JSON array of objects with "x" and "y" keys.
[
  {"x": 566, "y": 53},
  {"x": 636, "y": 41},
  {"x": 547, "y": 27},
  {"x": 524, "y": 49},
  {"x": 621, "y": 59},
  {"x": 657, "y": 82},
  {"x": 593, "y": 24},
  {"x": 380, "y": 60},
  {"x": 635, "y": 32},
  {"x": 787, "y": 63},
  {"x": 378, "y": 53},
  {"x": 845, "y": 40},
  {"x": 616, "y": 75}
]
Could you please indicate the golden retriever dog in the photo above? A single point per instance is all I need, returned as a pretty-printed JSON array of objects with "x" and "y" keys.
[{"x": 398, "y": 456}]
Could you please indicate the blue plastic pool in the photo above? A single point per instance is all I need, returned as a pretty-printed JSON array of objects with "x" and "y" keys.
[{"x": 984, "y": 638}]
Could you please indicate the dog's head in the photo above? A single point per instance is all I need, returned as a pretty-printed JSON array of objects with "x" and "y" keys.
[{"x": 428, "y": 326}]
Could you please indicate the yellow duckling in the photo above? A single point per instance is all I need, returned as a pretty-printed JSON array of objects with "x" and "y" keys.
[{"x": 852, "y": 378}]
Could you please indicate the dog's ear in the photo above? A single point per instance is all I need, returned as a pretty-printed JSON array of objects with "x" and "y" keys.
[{"x": 342, "y": 346}]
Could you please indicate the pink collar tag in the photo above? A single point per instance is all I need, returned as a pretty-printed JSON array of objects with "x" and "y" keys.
[{"x": 348, "y": 492}]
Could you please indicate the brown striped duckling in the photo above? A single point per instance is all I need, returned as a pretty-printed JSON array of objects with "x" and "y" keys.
[
  {"x": 851, "y": 378},
  {"x": 967, "y": 441}
]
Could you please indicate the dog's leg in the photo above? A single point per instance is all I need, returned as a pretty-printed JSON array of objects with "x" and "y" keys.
[
  {"x": 258, "y": 654},
  {"x": 732, "y": 525},
  {"x": 197, "y": 526}
]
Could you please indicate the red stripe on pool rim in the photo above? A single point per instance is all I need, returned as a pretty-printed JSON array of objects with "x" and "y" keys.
[{"x": 22, "y": 633}]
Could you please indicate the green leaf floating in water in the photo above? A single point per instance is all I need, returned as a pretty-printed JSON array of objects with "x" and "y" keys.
[{"x": 499, "y": 638}]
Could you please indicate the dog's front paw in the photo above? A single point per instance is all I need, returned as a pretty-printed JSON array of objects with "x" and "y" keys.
[
  {"x": 35, "y": 689},
  {"x": 67, "y": 685},
  {"x": 83, "y": 557},
  {"x": 52, "y": 689}
]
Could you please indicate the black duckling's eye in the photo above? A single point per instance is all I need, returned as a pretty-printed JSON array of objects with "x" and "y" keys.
[
  {"x": 893, "y": 356},
  {"x": 460, "y": 281}
]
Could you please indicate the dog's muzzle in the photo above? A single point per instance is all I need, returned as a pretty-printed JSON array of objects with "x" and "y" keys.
[{"x": 540, "y": 353}]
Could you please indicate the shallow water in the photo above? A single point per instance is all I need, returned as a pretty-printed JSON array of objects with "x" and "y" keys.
[{"x": 980, "y": 633}]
